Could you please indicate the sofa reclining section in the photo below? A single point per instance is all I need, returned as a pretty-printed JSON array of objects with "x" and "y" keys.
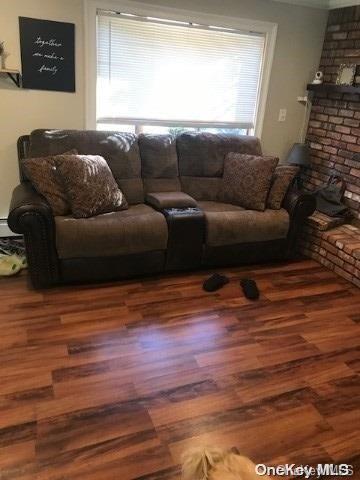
[{"x": 176, "y": 218}]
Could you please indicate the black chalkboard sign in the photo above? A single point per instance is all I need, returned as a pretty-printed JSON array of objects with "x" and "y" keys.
[{"x": 47, "y": 54}]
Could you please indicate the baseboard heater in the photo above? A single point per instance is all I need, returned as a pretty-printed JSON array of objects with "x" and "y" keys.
[{"x": 5, "y": 230}]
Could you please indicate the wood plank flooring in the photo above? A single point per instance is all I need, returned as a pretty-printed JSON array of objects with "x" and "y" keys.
[{"x": 114, "y": 381}]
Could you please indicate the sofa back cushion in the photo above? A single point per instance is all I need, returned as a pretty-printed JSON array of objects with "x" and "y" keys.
[
  {"x": 159, "y": 163},
  {"x": 203, "y": 154},
  {"x": 152, "y": 163},
  {"x": 161, "y": 185},
  {"x": 202, "y": 188},
  {"x": 158, "y": 156},
  {"x": 133, "y": 189},
  {"x": 120, "y": 150}
]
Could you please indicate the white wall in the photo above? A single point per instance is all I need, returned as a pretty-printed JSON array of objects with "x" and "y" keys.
[
  {"x": 298, "y": 49},
  {"x": 24, "y": 110}
]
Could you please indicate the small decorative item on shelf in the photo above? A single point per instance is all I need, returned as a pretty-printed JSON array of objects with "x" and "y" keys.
[
  {"x": 346, "y": 74},
  {"x": 318, "y": 79}
]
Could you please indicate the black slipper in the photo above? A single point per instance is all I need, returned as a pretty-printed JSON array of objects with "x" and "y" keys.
[
  {"x": 250, "y": 288},
  {"x": 215, "y": 282}
]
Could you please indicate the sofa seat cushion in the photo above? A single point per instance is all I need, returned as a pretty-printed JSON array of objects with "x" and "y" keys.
[
  {"x": 228, "y": 224},
  {"x": 138, "y": 229},
  {"x": 162, "y": 200}
]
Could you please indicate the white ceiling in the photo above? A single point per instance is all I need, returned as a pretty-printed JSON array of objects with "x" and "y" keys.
[{"x": 326, "y": 4}]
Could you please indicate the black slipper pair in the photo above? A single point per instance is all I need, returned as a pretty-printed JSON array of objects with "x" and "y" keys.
[{"x": 216, "y": 281}]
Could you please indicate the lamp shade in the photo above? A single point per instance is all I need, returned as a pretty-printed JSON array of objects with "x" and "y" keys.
[{"x": 299, "y": 155}]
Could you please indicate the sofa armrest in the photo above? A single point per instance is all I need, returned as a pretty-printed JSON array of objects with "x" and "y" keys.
[
  {"x": 25, "y": 200},
  {"x": 299, "y": 205},
  {"x": 31, "y": 215},
  {"x": 163, "y": 200}
]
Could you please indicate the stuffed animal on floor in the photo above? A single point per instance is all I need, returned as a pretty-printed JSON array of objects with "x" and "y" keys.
[
  {"x": 12, "y": 257},
  {"x": 211, "y": 463},
  {"x": 9, "y": 265}
]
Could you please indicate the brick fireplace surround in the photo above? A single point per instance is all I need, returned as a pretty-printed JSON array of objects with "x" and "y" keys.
[{"x": 334, "y": 138}]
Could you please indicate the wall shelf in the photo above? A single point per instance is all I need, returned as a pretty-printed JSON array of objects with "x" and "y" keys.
[
  {"x": 14, "y": 75},
  {"x": 331, "y": 87}
]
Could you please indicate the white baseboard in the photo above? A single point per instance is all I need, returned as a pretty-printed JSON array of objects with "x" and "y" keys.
[{"x": 5, "y": 230}]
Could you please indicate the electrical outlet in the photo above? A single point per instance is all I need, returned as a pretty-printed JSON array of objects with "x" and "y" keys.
[{"x": 282, "y": 115}]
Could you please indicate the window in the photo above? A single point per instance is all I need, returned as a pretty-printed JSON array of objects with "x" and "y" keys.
[
  {"x": 157, "y": 75},
  {"x": 133, "y": 128}
]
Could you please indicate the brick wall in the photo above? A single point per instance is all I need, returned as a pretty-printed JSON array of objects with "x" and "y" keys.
[
  {"x": 337, "y": 248},
  {"x": 334, "y": 125}
]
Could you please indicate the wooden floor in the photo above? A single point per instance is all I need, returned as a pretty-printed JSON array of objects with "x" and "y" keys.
[{"x": 115, "y": 381}]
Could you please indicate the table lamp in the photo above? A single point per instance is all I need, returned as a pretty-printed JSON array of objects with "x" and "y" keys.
[{"x": 299, "y": 155}]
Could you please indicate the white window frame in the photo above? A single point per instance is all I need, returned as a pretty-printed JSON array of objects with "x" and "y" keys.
[{"x": 125, "y": 6}]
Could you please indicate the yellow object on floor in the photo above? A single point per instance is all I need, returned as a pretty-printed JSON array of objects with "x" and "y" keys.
[{"x": 11, "y": 264}]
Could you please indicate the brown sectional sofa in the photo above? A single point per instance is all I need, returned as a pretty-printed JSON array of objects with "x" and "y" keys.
[{"x": 155, "y": 172}]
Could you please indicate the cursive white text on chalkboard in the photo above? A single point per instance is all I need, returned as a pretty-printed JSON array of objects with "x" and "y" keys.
[
  {"x": 53, "y": 70},
  {"x": 51, "y": 56},
  {"x": 50, "y": 43}
]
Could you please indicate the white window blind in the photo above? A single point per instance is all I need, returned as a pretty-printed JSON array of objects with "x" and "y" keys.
[{"x": 161, "y": 72}]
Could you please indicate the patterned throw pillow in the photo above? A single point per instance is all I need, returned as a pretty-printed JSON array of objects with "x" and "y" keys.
[
  {"x": 89, "y": 184},
  {"x": 247, "y": 180},
  {"x": 281, "y": 181},
  {"x": 42, "y": 174}
]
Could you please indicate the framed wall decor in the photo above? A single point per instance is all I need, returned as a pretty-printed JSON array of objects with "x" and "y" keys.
[
  {"x": 47, "y": 54},
  {"x": 346, "y": 74}
]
